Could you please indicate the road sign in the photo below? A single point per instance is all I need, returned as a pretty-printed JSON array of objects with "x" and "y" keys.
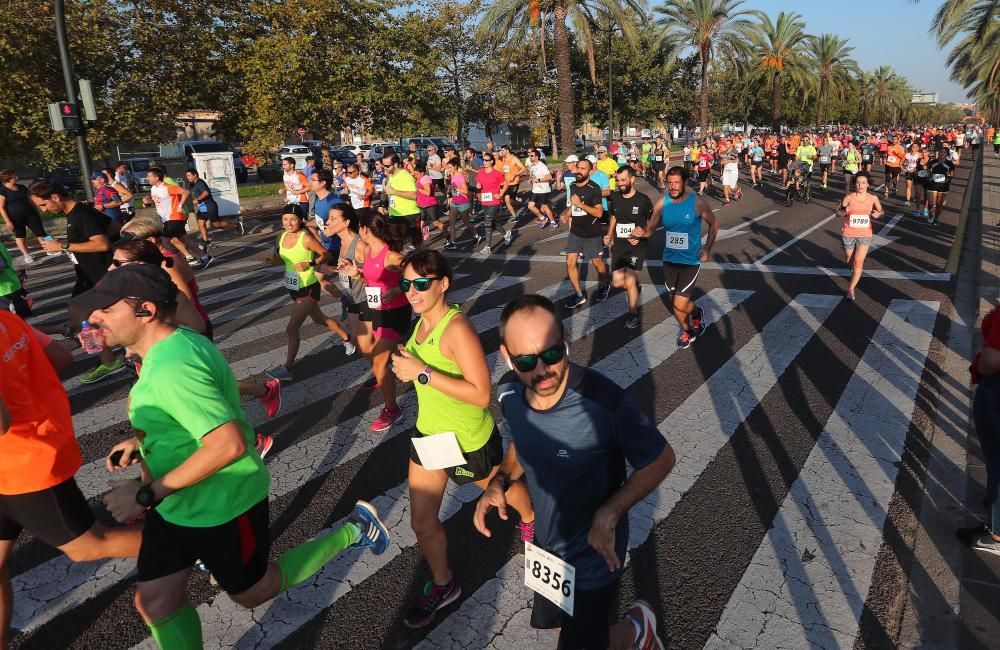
[
  {"x": 70, "y": 115},
  {"x": 924, "y": 98},
  {"x": 301, "y": 131},
  {"x": 55, "y": 117}
]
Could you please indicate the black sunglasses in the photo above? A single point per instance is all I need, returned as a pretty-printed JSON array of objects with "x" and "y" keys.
[
  {"x": 118, "y": 263},
  {"x": 550, "y": 357},
  {"x": 421, "y": 284}
]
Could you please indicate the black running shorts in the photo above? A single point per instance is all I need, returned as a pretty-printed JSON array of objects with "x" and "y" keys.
[
  {"x": 679, "y": 278},
  {"x": 56, "y": 515},
  {"x": 173, "y": 229},
  {"x": 236, "y": 552},
  {"x": 587, "y": 628},
  {"x": 625, "y": 255}
]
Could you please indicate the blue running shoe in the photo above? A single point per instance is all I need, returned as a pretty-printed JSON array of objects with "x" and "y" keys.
[{"x": 374, "y": 534}]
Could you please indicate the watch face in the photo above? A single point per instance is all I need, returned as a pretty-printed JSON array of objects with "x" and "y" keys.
[{"x": 423, "y": 378}]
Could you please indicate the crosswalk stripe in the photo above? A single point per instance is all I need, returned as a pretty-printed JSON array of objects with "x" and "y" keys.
[
  {"x": 697, "y": 429},
  {"x": 807, "y": 583},
  {"x": 270, "y": 623}
]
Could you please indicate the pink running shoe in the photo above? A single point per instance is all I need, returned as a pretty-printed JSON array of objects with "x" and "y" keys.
[
  {"x": 527, "y": 531},
  {"x": 264, "y": 444},
  {"x": 386, "y": 419},
  {"x": 272, "y": 397},
  {"x": 425, "y": 232}
]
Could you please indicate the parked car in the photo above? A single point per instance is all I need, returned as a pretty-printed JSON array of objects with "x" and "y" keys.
[
  {"x": 378, "y": 149},
  {"x": 346, "y": 156},
  {"x": 353, "y": 148},
  {"x": 137, "y": 169},
  {"x": 297, "y": 151},
  {"x": 68, "y": 177}
]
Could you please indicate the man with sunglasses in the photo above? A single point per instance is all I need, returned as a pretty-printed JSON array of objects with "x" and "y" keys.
[
  {"x": 586, "y": 232},
  {"x": 571, "y": 431},
  {"x": 401, "y": 190},
  {"x": 435, "y": 169}
]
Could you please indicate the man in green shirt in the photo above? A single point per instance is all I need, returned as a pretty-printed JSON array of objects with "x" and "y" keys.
[
  {"x": 401, "y": 188},
  {"x": 203, "y": 488},
  {"x": 806, "y": 151}
]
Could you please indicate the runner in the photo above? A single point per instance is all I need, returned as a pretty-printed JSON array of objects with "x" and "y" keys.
[
  {"x": 852, "y": 165},
  {"x": 124, "y": 178},
  {"x": 169, "y": 201},
  {"x": 490, "y": 182},
  {"x": 996, "y": 143},
  {"x": 756, "y": 156},
  {"x": 387, "y": 309},
  {"x": 893, "y": 161},
  {"x": 359, "y": 187},
  {"x": 910, "y": 160},
  {"x": 730, "y": 176},
  {"x": 445, "y": 361},
  {"x": 704, "y": 167},
  {"x": 541, "y": 190},
  {"x": 923, "y": 164},
  {"x": 401, "y": 189},
  {"x": 380, "y": 198},
  {"x": 609, "y": 165},
  {"x": 435, "y": 169},
  {"x": 39, "y": 455},
  {"x": 585, "y": 234},
  {"x": 825, "y": 155},
  {"x": 204, "y": 491},
  {"x": 581, "y": 497},
  {"x": 630, "y": 213},
  {"x": 858, "y": 209},
  {"x": 296, "y": 187},
  {"x": 681, "y": 213},
  {"x": 459, "y": 204},
  {"x": 513, "y": 171},
  {"x": 939, "y": 174},
  {"x": 206, "y": 210},
  {"x": 108, "y": 202},
  {"x": 19, "y": 213},
  {"x": 88, "y": 248},
  {"x": 868, "y": 150},
  {"x": 786, "y": 153},
  {"x": 301, "y": 253}
]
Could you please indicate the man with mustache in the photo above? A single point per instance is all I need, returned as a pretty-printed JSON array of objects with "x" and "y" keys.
[{"x": 571, "y": 431}]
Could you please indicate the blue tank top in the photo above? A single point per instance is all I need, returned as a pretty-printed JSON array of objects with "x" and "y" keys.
[{"x": 682, "y": 226}]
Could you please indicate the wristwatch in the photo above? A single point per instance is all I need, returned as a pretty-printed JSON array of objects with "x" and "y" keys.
[
  {"x": 145, "y": 497},
  {"x": 65, "y": 247},
  {"x": 425, "y": 376}
]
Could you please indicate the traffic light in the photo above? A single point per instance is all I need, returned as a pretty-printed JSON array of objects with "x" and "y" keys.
[{"x": 70, "y": 115}]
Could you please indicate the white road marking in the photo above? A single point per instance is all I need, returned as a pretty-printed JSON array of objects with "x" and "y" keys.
[
  {"x": 807, "y": 583},
  {"x": 794, "y": 240},
  {"x": 882, "y": 237},
  {"x": 728, "y": 233},
  {"x": 697, "y": 429}
]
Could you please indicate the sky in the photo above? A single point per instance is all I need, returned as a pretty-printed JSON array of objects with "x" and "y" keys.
[{"x": 882, "y": 32}]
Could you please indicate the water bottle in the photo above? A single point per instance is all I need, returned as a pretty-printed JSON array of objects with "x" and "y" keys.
[{"x": 90, "y": 338}]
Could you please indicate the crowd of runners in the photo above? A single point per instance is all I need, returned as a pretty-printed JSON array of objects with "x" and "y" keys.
[{"x": 364, "y": 235}]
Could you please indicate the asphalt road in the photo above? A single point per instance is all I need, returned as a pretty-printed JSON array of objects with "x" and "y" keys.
[{"x": 797, "y": 418}]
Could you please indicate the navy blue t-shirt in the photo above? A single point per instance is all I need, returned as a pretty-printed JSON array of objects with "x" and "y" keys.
[{"x": 574, "y": 457}]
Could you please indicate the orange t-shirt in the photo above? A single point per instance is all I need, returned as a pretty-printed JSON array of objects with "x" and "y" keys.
[
  {"x": 894, "y": 155},
  {"x": 511, "y": 167},
  {"x": 793, "y": 143},
  {"x": 858, "y": 221},
  {"x": 39, "y": 450}
]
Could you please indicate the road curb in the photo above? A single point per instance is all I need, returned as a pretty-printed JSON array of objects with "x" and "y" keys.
[{"x": 963, "y": 216}]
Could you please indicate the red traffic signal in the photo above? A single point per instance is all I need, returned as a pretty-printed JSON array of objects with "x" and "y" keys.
[
  {"x": 70, "y": 115},
  {"x": 67, "y": 109}
]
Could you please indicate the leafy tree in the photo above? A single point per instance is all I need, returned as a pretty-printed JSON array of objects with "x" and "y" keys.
[
  {"x": 832, "y": 65},
  {"x": 778, "y": 48}
]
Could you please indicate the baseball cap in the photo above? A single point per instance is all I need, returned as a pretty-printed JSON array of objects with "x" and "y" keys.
[
  {"x": 137, "y": 281},
  {"x": 592, "y": 158},
  {"x": 602, "y": 148},
  {"x": 96, "y": 175},
  {"x": 571, "y": 158}
]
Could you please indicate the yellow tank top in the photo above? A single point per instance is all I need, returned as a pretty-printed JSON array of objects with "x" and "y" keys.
[{"x": 295, "y": 280}]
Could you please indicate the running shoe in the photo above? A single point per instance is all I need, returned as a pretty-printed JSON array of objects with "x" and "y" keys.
[
  {"x": 553, "y": 225},
  {"x": 824, "y": 186},
  {"x": 685, "y": 340},
  {"x": 103, "y": 371},
  {"x": 425, "y": 232},
  {"x": 527, "y": 530},
  {"x": 907, "y": 203},
  {"x": 281, "y": 373},
  {"x": 632, "y": 321},
  {"x": 641, "y": 614},
  {"x": 486, "y": 250},
  {"x": 978, "y": 538},
  {"x": 374, "y": 534},
  {"x": 205, "y": 261},
  {"x": 263, "y": 445},
  {"x": 542, "y": 222},
  {"x": 508, "y": 236},
  {"x": 386, "y": 419},
  {"x": 350, "y": 348},
  {"x": 698, "y": 321},
  {"x": 603, "y": 292},
  {"x": 241, "y": 225},
  {"x": 271, "y": 399},
  {"x": 726, "y": 202},
  {"x": 371, "y": 384},
  {"x": 850, "y": 295},
  {"x": 575, "y": 301},
  {"x": 564, "y": 252},
  {"x": 28, "y": 259},
  {"x": 449, "y": 244},
  {"x": 205, "y": 244},
  {"x": 434, "y": 597},
  {"x": 478, "y": 240},
  {"x": 739, "y": 193}
]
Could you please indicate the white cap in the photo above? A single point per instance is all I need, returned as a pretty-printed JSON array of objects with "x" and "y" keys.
[
  {"x": 571, "y": 158},
  {"x": 592, "y": 158}
]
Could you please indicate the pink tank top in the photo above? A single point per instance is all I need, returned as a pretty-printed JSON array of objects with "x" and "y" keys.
[
  {"x": 376, "y": 275},
  {"x": 456, "y": 198},
  {"x": 858, "y": 222}
]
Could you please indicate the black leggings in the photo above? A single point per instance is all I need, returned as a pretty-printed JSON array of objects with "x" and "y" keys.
[{"x": 24, "y": 220}]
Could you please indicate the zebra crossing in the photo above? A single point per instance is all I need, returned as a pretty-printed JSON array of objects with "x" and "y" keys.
[{"x": 323, "y": 436}]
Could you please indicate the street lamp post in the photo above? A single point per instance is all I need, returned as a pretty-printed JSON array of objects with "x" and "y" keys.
[{"x": 67, "y": 71}]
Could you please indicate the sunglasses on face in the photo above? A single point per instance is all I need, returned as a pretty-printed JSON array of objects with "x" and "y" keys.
[
  {"x": 550, "y": 357},
  {"x": 420, "y": 284},
  {"x": 118, "y": 263},
  {"x": 487, "y": 160}
]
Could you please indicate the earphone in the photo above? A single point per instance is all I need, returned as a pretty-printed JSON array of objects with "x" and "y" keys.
[{"x": 142, "y": 313}]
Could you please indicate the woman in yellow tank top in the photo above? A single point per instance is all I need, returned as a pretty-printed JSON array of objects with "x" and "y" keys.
[
  {"x": 445, "y": 360},
  {"x": 301, "y": 252}
]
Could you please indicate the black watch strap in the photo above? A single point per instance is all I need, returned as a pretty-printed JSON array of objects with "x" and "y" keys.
[{"x": 145, "y": 497}]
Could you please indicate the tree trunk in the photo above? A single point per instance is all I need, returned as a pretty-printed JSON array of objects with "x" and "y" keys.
[
  {"x": 776, "y": 111},
  {"x": 552, "y": 137},
  {"x": 591, "y": 60},
  {"x": 567, "y": 118},
  {"x": 820, "y": 103},
  {"x": 459, "y": 106},
  {"x": 541, "y": 38},
  {"x": 703, "y": 56}
]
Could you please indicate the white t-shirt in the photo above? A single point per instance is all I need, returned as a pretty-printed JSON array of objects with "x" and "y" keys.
[
  {"x": 537, "y": 171},
  {"x": 356, "y": 188},
  {"x": 161, "y": 199},
  {"x": 436, "y": 174},
  {"x": 293, "y": 188}
]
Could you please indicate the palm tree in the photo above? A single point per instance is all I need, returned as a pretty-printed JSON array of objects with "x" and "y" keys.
[
  {"x": 778, "y": 46},
  {"x": 515, "y": 19},
  {"x": 830, "y": 58},
  {"x": 705, "y": 25},
  {"x": 975, "y": 59}
]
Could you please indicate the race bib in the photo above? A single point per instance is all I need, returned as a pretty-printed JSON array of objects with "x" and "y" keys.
[
  {"x": 922, "y": 173},
  {"x": 392, "y": 201},
  {"x": 202, "y": 207},
  {"x": 892, "y": 160},
  {"x": 624, "y": 230},
  {"x": 72, "y": 258},
  {"x": 374, "y": 296},
  {"x": 540, "y": 188},
  {"x": 860, "y": 221},
  {"x": 702, "y": 164},
  {"x": 345, "y": 280},
  {"x": 319, "y": 222},
  {"x": 487, "y": 197},
  {"x": 549, "y": 576},
  {"x": 824, "y": 159},
  {"x": 938, "y": 178},
  {"x": 378, "y": 188},
  {"x": 867, "y": 157},
  {"x": 291, "y": 280},
  {"x": 658, "y": 158},
  {"x": 506, "y": 169},
  {"x": 677, "y": 241},
  {"x": 622, "y": 160},
  {"x": 758, "y": 159},
  {"x": 454, "y": 191}
]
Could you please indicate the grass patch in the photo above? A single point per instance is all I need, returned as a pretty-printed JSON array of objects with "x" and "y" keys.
[{"x": 249, "y": 191}]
